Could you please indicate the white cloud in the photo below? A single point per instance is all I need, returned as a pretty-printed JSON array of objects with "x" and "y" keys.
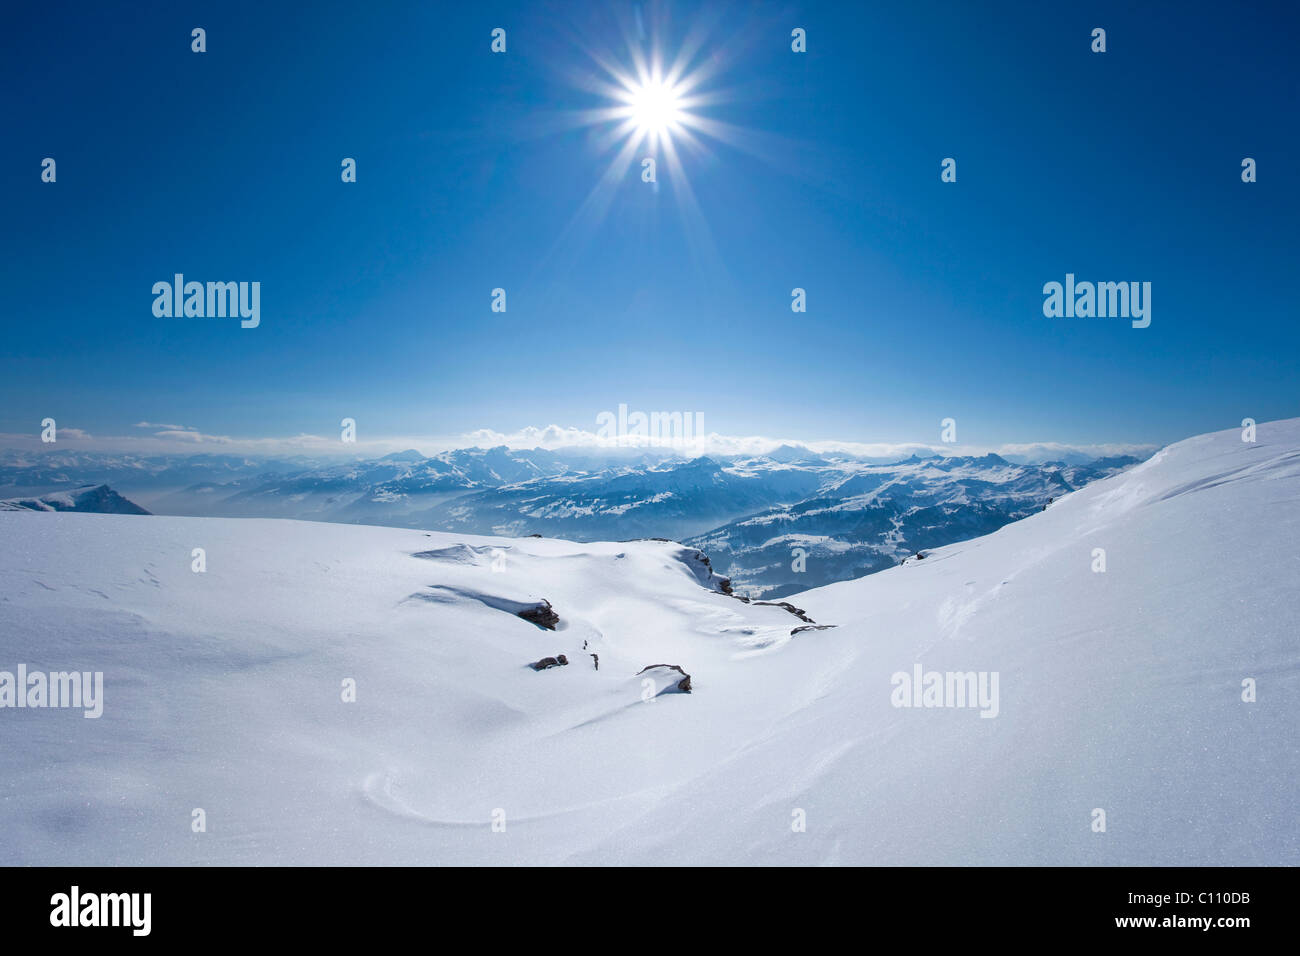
[
  {"x": 556, "y": 436},
  {"x": 186, "y": 439},
  {"x": 170, "y": 428}
]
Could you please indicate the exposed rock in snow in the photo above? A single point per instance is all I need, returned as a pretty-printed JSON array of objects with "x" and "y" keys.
[
  {"x": 796, "y": 611},
  {"x": 811, "y": 627},
  {"x": 541, "y": 614},
  {"x": 699, "y": 564},
  {"x": 672, "y": 675}
]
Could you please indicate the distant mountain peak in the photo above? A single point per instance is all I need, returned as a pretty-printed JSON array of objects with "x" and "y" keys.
[
  {"x": 703, "y": 461},
  {"x": 789, "y": 454},
  {"x": 98, "y": 499}
]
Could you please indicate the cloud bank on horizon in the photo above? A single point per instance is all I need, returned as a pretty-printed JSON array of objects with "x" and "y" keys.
[{"x": 175, "y": 439}]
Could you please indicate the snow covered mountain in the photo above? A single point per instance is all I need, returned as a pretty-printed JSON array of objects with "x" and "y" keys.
[
  {"x": 135, "y": 473},
  {"x": 754, "y": 515},
  {"x": 99, "y": 499},
  {"x": 388, "y": 490},
  {"x": 223, "y": 485},
  {"x": 1158, "y": 695},
  {"x": 670, "y": 500},
  {"x": 870, "y": 517}
]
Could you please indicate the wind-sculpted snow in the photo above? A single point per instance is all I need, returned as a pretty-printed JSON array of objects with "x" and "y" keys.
[{"x": 1118, "y": 690}]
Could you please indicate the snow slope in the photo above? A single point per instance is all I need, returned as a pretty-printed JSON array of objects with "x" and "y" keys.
[{"x": 1118, "y": 690}]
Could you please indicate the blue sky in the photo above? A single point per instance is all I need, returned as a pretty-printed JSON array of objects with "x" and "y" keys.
[{"x": 924, "y": 298}]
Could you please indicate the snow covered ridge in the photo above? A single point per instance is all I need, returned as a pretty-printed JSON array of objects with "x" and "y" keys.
[
  {"x": 376, "y": 685},
  {"x": 99, "y": 499}
]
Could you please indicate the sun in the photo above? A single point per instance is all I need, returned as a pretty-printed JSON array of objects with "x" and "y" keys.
[
  {"x": 651, "y": 113},
  {"x": 654, "y": 106}
]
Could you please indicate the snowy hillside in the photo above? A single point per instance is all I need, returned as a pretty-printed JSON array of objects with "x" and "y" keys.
[{"x": 1119, "y": 690}]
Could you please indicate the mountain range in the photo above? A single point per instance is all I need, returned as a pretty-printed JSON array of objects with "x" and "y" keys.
[{"x": 775, "y": 523}]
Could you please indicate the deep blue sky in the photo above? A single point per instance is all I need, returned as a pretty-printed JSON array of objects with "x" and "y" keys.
[{"x": 924, "y": 298}]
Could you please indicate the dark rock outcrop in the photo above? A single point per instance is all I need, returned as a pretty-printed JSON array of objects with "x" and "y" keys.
[
  {"x": 811, "y": 627},
  {"x": 710, "y": 578},
  {"x": 547, "y": 662},
  {"x": 540, "y": 614},
  {"x": 796, "y": 611}
]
